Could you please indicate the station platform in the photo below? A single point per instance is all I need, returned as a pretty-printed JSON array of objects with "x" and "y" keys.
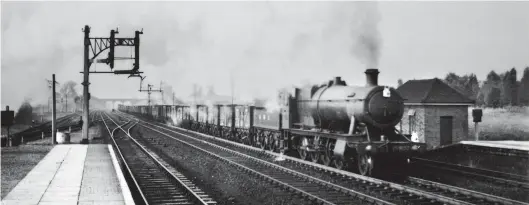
[
  {"x": 73, "y": 174},
  {"x": 507, "y": 144}
]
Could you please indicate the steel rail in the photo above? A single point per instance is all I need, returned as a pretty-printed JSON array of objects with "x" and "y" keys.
[{"x": 187, "y": 189}]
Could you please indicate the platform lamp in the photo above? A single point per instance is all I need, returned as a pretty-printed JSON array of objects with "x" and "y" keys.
[{"x": 477, "y": 114}]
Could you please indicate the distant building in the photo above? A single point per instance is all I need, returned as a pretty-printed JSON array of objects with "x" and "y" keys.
[{"x": 435, "y": 111}]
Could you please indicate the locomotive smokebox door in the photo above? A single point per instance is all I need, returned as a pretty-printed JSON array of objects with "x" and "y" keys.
[
  {"x": 476, "y": 114},
  {"x": 386, "y": 92}
]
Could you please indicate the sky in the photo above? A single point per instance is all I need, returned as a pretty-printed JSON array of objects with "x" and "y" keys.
[{"x": 262, "y": 46}]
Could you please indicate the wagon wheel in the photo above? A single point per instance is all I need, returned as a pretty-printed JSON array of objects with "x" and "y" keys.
[
  {"x": 262, "y": 141},
  {"x": 246, "y": 140},
  {"x": 365, "y": 164},
  {"x": 303, "y": 152},
  {"x": 271, "y": 142},
  {"x": 326, "y": 157}
]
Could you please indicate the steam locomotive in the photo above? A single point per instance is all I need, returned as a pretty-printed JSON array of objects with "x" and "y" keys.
[{"x": 348, "y": 127}]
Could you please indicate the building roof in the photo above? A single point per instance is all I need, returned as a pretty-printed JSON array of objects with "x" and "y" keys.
[{"x": 431, "y": 91}]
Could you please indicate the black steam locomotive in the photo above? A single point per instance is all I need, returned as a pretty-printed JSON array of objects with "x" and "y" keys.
[{"x": 348, "y": 127}]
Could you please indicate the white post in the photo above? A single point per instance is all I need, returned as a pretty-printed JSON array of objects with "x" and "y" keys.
[{"x": 476, "y": 131}]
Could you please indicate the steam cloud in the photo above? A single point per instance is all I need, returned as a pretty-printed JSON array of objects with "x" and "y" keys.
[
  {"x": 266, "y": 45},
  {"x": 366, "y": 36}
]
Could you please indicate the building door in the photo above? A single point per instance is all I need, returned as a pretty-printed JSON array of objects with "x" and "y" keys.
[{"x": 446, "y": 130}]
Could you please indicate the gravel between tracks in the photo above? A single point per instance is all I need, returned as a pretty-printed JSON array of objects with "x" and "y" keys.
[
  {"x": 320, "y": 174},
  {"x": 223, "y": 182},
  {"x": 17, "y": 162},
  {"x": 503, "y": 190},
  {"x": 457, "y": 155}
]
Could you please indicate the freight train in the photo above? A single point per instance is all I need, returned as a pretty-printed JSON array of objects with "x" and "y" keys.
[{"x": 347, "y": 127}]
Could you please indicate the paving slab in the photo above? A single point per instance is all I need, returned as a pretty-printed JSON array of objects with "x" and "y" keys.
[{"x": 73, "y": 174}]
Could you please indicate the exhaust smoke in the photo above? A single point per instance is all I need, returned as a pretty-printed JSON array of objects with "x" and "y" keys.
[{"x": 366, "y": 36}]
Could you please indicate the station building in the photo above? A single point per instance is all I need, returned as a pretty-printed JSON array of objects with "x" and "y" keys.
[{"x": 436, "y": 112}]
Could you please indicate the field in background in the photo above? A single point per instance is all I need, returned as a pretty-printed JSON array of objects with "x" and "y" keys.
[{"x": 509, "y": 123}]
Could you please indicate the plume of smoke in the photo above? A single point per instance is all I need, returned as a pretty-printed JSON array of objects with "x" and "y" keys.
[{"x": 367, "y": 39}]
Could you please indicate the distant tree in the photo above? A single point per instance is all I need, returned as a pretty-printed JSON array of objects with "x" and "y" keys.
[
  {"x": 508, "y": 88},
  {"x": 467, "y": 85},
  {"x": 24, "y": 114},
  {"x": 493, "y": 77},
  {"x": 455, "y": 81},
  {"x": 78, "y": 102},
  {"x": 480, "y": 99},
  {"x": 68, "y": 91},
  {"x": 400, "y": 82},
  {"x": 472, "y": 86},
  {"x": 492, "y": 99},
  {"x": 484, "y": 95},
  {"x": 523, "y": 89},
  {"x": 513, "y": 87}
]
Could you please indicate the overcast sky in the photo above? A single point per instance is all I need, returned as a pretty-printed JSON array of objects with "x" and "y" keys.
[{"x": 267, "y": 45}]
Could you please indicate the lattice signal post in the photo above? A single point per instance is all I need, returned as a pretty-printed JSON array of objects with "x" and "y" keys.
[
  {"x": 150, "y": 90},
  {"x": 98, "y": 45}
]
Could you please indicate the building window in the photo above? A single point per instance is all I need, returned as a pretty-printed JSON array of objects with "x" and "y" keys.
[{"x": 411, "y": 121}]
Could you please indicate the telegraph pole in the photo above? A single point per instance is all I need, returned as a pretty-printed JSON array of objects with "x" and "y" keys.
[
  {"x": 86, "y": 95},
  {"x": 50, "y": 82},
  {"x": 97, "y": 46},
  {"x": 54, "y": 116}
]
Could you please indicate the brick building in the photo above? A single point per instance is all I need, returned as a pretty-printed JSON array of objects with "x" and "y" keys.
[{"x": 435, "y": 111}]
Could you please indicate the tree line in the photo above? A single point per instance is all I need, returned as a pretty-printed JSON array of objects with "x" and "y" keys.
[{"x": 497, "y": 90}]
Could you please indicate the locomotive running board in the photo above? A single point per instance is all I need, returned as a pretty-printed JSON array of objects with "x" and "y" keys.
[{"x": 345, "y": 137}]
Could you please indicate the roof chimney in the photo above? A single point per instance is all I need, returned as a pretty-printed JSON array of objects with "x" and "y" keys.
[{"x": 371, "y": 77}]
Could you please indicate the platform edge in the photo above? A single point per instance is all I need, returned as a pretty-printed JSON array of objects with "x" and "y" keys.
[{"x": 125, "y": 190}]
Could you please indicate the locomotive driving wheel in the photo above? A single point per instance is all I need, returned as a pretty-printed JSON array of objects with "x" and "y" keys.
[
  {"x": 303, "y": 152},
  {"x": 339, "y": 164},
  {"x": 365, "y": 164},
  {"x": 326, "y": 157},
  {"x": 314, "y": 156}
]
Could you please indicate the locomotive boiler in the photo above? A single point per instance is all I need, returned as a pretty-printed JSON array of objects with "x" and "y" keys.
[{"x": 333, "y": 106}]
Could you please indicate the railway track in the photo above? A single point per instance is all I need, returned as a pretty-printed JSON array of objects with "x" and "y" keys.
[
  {"x": 384, "y": 191},
  {"x": 496, "y": 151},
  {"x": 156, "y": 181},
  {"x": 309, "y": 187},
  {"x": 486, "y": 174},
  {"x": 460, "y": 193},
  {"x": 65, "y": 123}
]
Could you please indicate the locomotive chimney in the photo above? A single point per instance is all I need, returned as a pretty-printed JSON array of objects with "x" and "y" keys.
[
  {"x": 337, "y": 80},
  {"x": 372, "y": 77}
]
